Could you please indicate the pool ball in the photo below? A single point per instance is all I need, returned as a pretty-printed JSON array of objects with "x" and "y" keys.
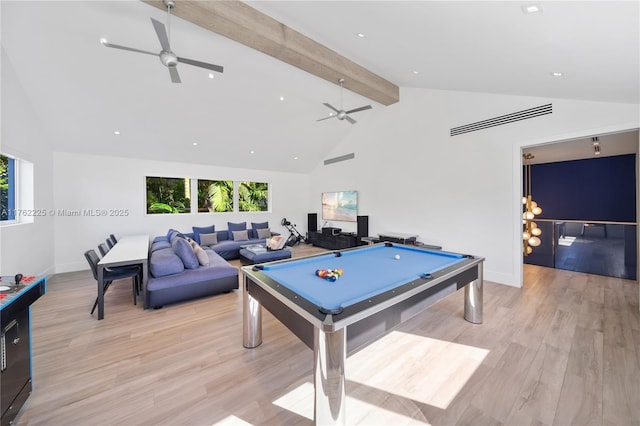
[{"x": 396, "y": 257}]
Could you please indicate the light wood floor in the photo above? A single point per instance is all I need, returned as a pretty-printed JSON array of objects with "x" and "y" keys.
[{"x": 563, "y": 350}]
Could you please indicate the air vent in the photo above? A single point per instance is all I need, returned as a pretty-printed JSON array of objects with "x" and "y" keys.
[
  {"x": 338, "y": 159},
  {"x": 503, "y": 119}
]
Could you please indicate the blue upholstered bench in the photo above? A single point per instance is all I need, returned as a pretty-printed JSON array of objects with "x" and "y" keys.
[{"x": 248, "y": 257}]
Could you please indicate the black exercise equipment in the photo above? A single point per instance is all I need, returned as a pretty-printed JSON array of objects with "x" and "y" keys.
[{"x": 294, "y": 236}]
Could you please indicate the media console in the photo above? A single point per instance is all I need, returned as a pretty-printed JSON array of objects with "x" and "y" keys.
[{"x": 333, "y": 242}]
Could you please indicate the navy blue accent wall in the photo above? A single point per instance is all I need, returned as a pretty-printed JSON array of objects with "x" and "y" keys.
[{"x": 599, "y": 189}]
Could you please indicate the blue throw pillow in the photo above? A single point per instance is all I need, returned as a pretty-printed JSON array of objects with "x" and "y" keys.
[
  {"x": 235, "y": 227},
  {"x": 183, "y": 249},
  {"x": 202, "y": 230},
  {"x": 255, "y": 226}
]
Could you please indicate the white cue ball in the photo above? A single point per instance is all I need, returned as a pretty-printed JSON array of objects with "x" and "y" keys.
[{"x": 396, "y": 257}]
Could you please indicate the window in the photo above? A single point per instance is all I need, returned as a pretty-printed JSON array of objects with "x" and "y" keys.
[
  {"x": 215, "y": 196},
  {"x": 168, "y": 195},
  {"x": 7, "y": 188},
  {"x": 253, "y": 196}
]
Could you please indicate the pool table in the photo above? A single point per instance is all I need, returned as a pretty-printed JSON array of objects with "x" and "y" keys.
[{"x": 380, "y": 287}]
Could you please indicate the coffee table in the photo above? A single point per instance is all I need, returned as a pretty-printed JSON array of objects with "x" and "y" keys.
[{"x": 251, "y": 257}]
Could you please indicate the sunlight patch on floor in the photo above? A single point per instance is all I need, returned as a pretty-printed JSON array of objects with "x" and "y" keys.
[
  {"x": 429, "y": 371},
  {"x": 566, "y": 241},
  {"x": 300, "y": 401},
  {"x": 232, "y": 421}
]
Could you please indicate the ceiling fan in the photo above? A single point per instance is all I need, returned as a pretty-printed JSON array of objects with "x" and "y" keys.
[
  {"x": 167, "y": 57},
  {"x": 341, "y": 113}
]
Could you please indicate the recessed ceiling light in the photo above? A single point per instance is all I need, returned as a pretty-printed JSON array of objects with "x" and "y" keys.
[
  {"x": 252, "y": 152},
  {"x": 116, "y": 132},
  {"x": 295, "y": 158},
  {"x": 211, "y": 75},
  {"x": 282, "y": 98},
  {"x": 416, "y": 72},
  {"x": 361, "y": 35},
  {"x": 531, "y": 8},
  {"x": 556, "y": 74},
  {"x": 195, "y": 144},
  {"x": 103, "y": 40}
]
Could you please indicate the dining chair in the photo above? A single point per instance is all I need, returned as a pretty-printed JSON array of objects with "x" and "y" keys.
[
  {"x": 103, "y": 249},
  {"x": 110, "y": 243},
  {"x": 112, "y": 274},
  {"x": 113, "y": 239}
]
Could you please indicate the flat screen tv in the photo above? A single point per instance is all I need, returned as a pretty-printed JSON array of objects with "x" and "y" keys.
[{"x": 340, "y": 205}]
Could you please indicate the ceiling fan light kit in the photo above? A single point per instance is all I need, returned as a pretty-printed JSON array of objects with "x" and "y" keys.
[
  {"x": 341, "y": 114},
  {"x": 166, "y": 55}
]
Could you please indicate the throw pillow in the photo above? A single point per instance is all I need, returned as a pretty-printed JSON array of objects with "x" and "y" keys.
[
  {"x": 240, "y": 235},
  {"x": 264, "y": 233},
  {"x": 235, "y": 227},
  {"x": 183, "y": 249},
  {"x": 202, "y": 230},
  {"x": 209, "y": 239},
  {"x": 255, "y": 226},
  {"x": 203, "y": 257}
]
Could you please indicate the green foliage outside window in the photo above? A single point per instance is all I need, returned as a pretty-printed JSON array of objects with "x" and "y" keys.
[
  {"x": 253, "y": 196},
  {"x": 6, "y": 206},
  {"x": 215, "y": 196},
  {"x": 168, "y": 195}
]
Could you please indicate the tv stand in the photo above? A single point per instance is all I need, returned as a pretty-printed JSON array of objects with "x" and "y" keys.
[{"x": 333, "y": 242}]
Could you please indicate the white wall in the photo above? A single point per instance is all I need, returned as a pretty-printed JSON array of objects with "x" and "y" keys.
[
  {"x": 98, "y": 182},
  {"x": 460, "y": 192},
  {"x": 26, "y": 248}
]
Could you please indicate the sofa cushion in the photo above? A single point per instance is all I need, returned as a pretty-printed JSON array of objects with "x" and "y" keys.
[
  {"x": 241, "y": 235},
  {"x": 209, "y": 239},
  {"x": 197, "y": 230},
  {"x": 183, "y": 249},
  {"x": 165, "y": 262},
  {"x": 263, "y": 233},
  {"x": 235, "y": 227},
  {"x": 201, "y": 255},
  {"x": 255, "y": 226},
  {"x": 173, "y": 234},
  {"x": 159, "y": 245}
]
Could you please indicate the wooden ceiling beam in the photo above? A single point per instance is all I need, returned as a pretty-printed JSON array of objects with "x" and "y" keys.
[{"x": 244, "y": 24}]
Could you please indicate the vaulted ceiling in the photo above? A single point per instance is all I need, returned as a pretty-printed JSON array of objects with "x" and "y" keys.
[{"x": 82, "y": 92}]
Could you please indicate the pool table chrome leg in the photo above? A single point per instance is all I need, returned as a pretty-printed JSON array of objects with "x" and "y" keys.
[
  {"x": 473, "y": 299},
  {"x": 252, "y": 319},
  {"x": 329, "y": 357}
]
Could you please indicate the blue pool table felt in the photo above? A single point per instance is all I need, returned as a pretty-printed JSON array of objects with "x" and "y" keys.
[{"x": 366, "y": 272}]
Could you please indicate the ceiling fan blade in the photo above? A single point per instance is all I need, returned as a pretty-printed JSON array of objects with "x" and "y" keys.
[
  {"x": 330, "y": 107},
  {"x": 359, "y": 109},
  {"x": 161, "y": 31},
  {"x": 211, "y": 67},
  {"x": 175, "y": 77},
  {"x": 326, "y": 118},
  {"x": 131, "y": 49},
  {"x": 350, "y": 120}
]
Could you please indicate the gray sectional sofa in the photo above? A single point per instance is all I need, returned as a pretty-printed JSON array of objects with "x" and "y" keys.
[{"x": 184, "y": 266}]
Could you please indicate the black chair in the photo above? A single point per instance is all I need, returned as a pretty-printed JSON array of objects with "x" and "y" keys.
[
  {"x": 110, "y": 243},
  {"x": 113, "y": 239},
  {"x": 112, "y": 274},
  {"x": 103, "y": 249}
]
